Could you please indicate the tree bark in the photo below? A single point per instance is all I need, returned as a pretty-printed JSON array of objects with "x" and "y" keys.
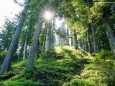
[
  {"x": 49, "y": 39},
  {"x": 75, "y": 39},
  {"x": 86, "y": 43},
  {"x": 110, "y": 36},
  {"x": 94, "y": 38},
  {"x": 11, "y": 50},
  {"x": 67, "y": 37},
  {"x": 71, "y": 42},
  {"x": 30, "y": 63},
  {"x": 21, "y": 51},
  {"x": 114, "y": 26},
  {"x": 83, "y": 44},
  {"x": 80, "y": 44},
  {"x": 44, "y": 40},
  {"x": 89, "y": 41},
  {"x": 25, "y": 45}
]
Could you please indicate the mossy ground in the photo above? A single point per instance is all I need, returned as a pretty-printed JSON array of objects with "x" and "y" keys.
[{"x": 63, "y": 66}]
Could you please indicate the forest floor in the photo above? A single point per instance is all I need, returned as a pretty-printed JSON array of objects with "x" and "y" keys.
[{"x": 63, "y": 66}]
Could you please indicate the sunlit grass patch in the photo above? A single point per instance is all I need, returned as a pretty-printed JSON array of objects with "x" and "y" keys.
[{"x": 21, "y": 63}]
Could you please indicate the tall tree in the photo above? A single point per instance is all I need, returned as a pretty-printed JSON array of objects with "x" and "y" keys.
[
  {"x": 49, "y": 38},
  {"x": 110, "y": 36},
  {"x": 30, "y": 63},
  {"x": 8, "y": 58},
  {"x": 94, "y": 37},
  {"x": 75, "y": 39}
]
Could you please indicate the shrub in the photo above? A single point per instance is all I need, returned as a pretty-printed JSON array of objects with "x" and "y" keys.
[
  {"x": 81, "y": 82},
  {"x": 105, "y": 54}
]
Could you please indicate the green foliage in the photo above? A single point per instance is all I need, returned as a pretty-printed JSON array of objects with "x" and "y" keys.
[
  {"x": 21, "y": 63},
  {"x": 50, "y": 69},
  {"x": 7, "y": 75},
  {"x": 21, "y": 82},
  {"x": 105, "y": 54},
  {"x": 7, "y": 33},
  {"x": 2, "y": 55},
  {"x": 48, "y": 54},
  {"x": 100, "y": 72},
  {"x": 81, "y": 82}
]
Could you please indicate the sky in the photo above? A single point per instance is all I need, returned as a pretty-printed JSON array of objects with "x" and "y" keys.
[{"x": 8, "y": 8}]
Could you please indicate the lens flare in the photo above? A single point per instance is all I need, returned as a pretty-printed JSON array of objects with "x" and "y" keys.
[{"x": 48, "y": 15}]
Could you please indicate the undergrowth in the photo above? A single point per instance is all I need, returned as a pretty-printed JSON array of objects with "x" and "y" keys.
[{"x": 63, "y": 66}]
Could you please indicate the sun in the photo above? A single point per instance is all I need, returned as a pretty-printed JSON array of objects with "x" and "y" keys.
[{"x": 48, "y": 15}]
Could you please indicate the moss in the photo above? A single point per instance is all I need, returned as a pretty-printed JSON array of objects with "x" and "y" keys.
[
  {"x": 64, "y": 67},
  {"x": 21, "y": 82}
]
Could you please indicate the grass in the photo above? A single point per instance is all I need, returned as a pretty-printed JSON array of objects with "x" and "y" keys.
[{"x": 63, "y": 66}]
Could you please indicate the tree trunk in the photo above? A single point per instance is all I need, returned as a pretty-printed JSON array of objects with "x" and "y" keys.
[
  {"x": 94, "y": 38},
  {"x": 75, "y": 39},
  {"x": 114, "y": 26},
  {"x": 87, "y": 50},
  {"x": 83, "y": 44},
  {"x": 21, "y": 51},
  {"x": 25, "y": 45},
  {"x": 89, "y": 41},
  {"x": 80, "y": 44},
  {"x": 71, "y": 42},
  {"x": 110, "y": 36},
  {"x": 30, "y": 63},
  {"x": 49, "y": 39},
  {"x": 44, "y": 40},
  {"x": 11, "y": 50},
  {"x": 67, "y": 35}
]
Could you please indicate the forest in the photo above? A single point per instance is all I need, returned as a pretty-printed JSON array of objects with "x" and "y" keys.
[{"x": 59, "y": 43}]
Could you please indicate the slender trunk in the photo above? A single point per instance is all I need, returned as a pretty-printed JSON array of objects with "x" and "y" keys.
[
  {"x": 93, "y": 34},
  {"x": 11, "y": 50},
  {"x": 114, "y": 26},
  {"x": 52, "y": 40},
  {"x": 71, "y": 33},
  {"x": 21, "y": 51},
  {"x": 30, "y": 63},
  {"x": 110, "y": 36},
  {"x": 89, "y": 41},
  {"x": 44, "y": 42},
  {"x": 52, "y": 34},
  {"x": 67, "y": 39},
  {"x": 25, "y": 45},
  {"x": 83, "y": 44},
  {"x": 94, "y": 38},
  {"x": 80, "y": 44},
  {"x": 72, "y": 41},
  {"x": 87, "y": 50},
  {"x": 49, "y": 39},
  {"x": 75, "y": 39}
]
